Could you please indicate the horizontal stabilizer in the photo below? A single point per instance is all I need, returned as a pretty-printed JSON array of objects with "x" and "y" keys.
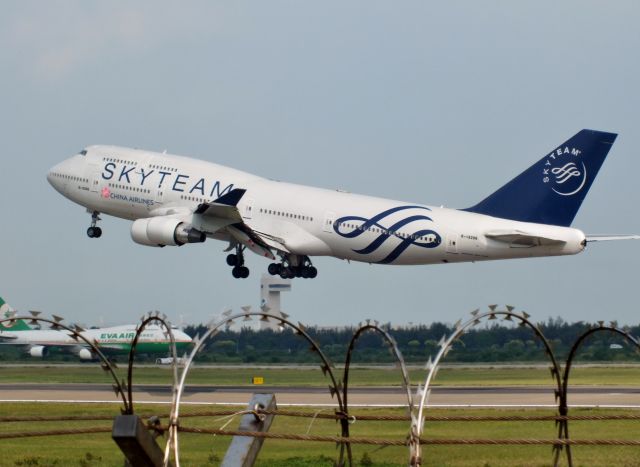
[
  {"x": 521, "y": 238},
  {"x": 606, "y": 238},
  {"x": 7, "y": 336}
]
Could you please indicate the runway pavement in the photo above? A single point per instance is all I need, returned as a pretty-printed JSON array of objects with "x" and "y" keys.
[{"x": 382, "y": 396}]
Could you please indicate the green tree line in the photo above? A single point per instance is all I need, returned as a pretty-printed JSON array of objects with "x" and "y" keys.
[{"x": 493, "y": 343}]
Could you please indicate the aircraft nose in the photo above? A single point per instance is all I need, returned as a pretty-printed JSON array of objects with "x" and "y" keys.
[
  {"x": 50, "y": 176},
  {"x": 56, "y": 175}
]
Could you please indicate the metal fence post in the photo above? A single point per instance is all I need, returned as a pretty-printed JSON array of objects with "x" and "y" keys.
[
  {"x": 244, "y": 450},
  {"x": 136, "y": 443}
]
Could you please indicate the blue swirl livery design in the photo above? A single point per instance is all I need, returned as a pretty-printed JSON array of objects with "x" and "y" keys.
[
  {"x": 423, "y": 238},
  {"x": 569, "y": 179},
  {"x": 176, "y": 200}
]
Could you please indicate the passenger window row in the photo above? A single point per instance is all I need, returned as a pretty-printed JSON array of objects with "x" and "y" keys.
[
  {"x": 70, "y": 177},
  {"x": 130, "y": 188},
  {"x": 286, "y": 214}
]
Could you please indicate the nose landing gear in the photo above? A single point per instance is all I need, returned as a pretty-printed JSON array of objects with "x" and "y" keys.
[
  {"x": 94, "y": 231},
  {"x": 239, "y": 271}
]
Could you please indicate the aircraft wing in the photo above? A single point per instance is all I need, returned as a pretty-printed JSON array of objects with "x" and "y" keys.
[
  {"x": 272, "y": 241},
  {"x": 242, "y": 233},
  {"x": 224, "y": 211},
  {"x": 605, "y": 238},
  {"x": 225, "y": 207},
  {"x": 7, "y": 337},
  {"x": 521, "y": 238}
]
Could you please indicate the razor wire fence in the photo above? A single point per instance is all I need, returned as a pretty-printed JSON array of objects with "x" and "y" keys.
[{"x": 338, "y": 387}]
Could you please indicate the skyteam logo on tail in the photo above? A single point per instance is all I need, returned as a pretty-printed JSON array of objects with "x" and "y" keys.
[
  {"x": 355, "y": 226},
  {"x": 564, "y": 170}
]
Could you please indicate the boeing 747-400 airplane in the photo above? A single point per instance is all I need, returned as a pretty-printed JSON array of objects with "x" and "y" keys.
[
  {"x": 175, "y": 200},
  {"x": 115, "y": 340}
]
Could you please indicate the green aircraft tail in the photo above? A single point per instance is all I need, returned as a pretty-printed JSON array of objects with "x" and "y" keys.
[{"x": 6, "y": 312}]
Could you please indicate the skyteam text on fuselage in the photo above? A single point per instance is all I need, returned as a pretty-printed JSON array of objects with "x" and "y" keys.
[{"x": 175, "y": 200}]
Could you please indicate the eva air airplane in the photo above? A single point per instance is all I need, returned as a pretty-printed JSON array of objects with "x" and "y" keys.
[
  {"x": 175, "y": 200},
  {"x": 111, "y": 341}
]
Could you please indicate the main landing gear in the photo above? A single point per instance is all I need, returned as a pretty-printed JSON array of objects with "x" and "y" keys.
[
  {"x": 293, "y": 266},
  {"x": 239, "y": 271},
  {"x": 290, "y": 267},
  {"x": 94, "y": 231}
]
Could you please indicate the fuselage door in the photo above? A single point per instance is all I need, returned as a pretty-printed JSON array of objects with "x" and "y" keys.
[
  {"x": 329, "y": 219},
  {"x": 155, "y": 179},
  {"x": 452, "y": 242},
  {"x": 93, "y": 175},
  {"x": 248, "y": 209}
]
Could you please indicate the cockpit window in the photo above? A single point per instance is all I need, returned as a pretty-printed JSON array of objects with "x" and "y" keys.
[{"x": 83, "y": 152}]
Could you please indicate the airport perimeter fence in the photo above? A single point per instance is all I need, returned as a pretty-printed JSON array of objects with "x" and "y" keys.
[{"x": 338, "y": 387}]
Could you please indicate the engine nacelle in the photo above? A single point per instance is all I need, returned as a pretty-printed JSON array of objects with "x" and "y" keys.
[
  {"x": 169, "y": 361},
  {"x": 39, "y": 351},
  {"x": 86, "y": 354},
  {"x": 163, "y": 231}
]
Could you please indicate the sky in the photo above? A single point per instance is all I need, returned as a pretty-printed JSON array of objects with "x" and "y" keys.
[{"x": 431, "y": 102}]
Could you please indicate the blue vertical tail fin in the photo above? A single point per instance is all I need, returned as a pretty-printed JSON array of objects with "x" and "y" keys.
[{"x": 552, "y": 190}]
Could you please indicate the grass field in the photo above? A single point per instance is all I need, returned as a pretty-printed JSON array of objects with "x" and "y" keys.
[
  {"x": 196, "y": 450},
  {"x": 100, "y": 450},
  {"x": 484, "y": 376}
]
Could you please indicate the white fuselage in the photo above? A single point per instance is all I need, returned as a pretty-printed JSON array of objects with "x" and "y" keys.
[
  {"x": 134, "y": 184},
  {"x": 111, "y": 340}
]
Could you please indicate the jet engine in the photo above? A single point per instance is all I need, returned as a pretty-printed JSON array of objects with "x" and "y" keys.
[
  {"x": 38, "y": 351},
  {"x": 86, "y": 354},
  {"x": 163, "y": 231}
]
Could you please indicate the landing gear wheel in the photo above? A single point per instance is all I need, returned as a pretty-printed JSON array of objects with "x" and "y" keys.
[
  {"x": 236, "y": 260},
  {"x": 232, "y": 260},
  {"x": 240, "y": 272},
  {"x": 94, "y": 231},
  {"x": 293, "y": 266},
  {"x": 284, "y": 273}
]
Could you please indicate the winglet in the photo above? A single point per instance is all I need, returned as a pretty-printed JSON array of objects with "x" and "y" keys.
[{"x": 232, "y": 198}]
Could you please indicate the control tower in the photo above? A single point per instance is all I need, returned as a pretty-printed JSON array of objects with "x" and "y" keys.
[{"x": 270, "y": 289}]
